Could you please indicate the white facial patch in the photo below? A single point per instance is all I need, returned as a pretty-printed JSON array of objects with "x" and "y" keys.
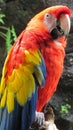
[{"x": 50, "y": 21}]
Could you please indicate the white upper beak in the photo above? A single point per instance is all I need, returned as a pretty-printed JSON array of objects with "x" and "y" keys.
[{"x": 65, "y": 23}]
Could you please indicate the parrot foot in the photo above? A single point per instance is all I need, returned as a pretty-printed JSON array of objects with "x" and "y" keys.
[
  {"x": 39, "y": 116},
  {"x": 44, "y": 121}
]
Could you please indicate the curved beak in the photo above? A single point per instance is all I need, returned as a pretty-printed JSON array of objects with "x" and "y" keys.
[{"x": 65, "y": 24}]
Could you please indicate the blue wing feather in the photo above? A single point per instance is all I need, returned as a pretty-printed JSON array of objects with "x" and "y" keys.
[
  {"x": 21, "y": 117},
  {"x": 43, "y": 68}
]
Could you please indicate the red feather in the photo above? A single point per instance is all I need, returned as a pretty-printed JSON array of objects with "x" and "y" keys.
[{"x": 54, "y": 58}]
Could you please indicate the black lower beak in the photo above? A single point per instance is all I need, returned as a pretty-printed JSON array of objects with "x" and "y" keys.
[{"x": 57, "y": 32}]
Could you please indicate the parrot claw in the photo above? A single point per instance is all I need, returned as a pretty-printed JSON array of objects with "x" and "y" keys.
[{"x": 39, "y": 116}]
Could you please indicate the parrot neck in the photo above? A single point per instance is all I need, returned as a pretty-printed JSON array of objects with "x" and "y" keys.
[{"x": 54, "y": 51}]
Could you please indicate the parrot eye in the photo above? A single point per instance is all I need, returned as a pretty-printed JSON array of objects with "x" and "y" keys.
[{"x": 47, "y": 15}]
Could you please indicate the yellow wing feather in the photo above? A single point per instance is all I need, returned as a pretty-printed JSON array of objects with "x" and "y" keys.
[
  {"x": 21, "y": 83},
  {"x": 3, "y": 100},
  {"x": 4, "y": 71},
  {"x": 10, "y": 101}
]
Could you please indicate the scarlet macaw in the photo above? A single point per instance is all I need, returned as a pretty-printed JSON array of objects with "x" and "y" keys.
[{"x": 37, "y": 55}]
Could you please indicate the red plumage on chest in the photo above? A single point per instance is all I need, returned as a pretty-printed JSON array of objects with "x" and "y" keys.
[{"x": 54, "y": 59}]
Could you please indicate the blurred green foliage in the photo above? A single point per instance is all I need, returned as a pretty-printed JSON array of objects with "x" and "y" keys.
[
  {"x": 9, "y": 35},
  {"x": 1, "y": 1},
  {"x": 65, "y": 109},
  {"x": 2, "y": 27}
]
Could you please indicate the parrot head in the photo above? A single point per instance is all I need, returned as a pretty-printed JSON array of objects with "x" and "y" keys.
[{"x": 54, "y": 20}]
